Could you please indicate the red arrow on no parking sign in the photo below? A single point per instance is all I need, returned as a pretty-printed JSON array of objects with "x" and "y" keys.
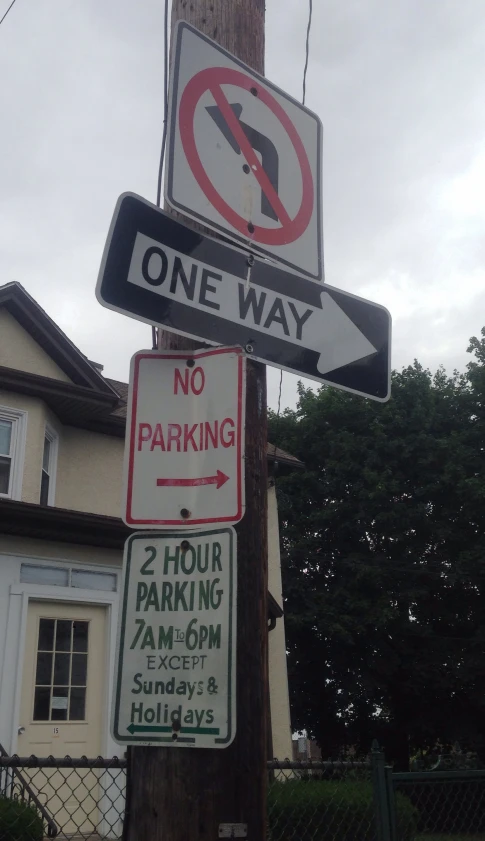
[{"x": 219, "y": 480}]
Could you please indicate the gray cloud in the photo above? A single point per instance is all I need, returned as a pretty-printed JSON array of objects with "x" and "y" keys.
[{"x": 399, "y": 88}]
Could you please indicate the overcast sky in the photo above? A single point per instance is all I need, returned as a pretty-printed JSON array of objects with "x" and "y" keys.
[{"x": 399, "y": 86}]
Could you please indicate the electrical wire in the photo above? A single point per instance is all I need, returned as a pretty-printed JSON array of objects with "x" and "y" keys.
[
  {"x": 307, "y": 56},
  {"x": 307, "y": 48},
  {"x": 6, "y": 13},
  {"x": 279, "y": 395},
  {"x": 156, "y": 330},
  {"x": 165, "y": 106},
  {"x": 165, "y": 109},
  {"x": 275, "y": 463}
]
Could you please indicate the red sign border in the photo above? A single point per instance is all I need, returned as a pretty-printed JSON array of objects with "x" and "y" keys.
[
  {"x": 211, "y": 78},
  {"x": 138, "y": 357}
]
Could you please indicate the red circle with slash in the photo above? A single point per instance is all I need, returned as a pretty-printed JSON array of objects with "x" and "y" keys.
[{"x": 211, "y": 79}]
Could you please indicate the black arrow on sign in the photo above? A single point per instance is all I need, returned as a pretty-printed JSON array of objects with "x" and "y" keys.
[{"x": 259, "y": 142}]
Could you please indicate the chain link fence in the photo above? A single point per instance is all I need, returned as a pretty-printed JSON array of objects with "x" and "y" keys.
[
  {"x": 449, "y": 805},
  {"x": 84, "y": 799},
  {"x": 62, "y": 798},
  {"x": 320, "y": 801}
]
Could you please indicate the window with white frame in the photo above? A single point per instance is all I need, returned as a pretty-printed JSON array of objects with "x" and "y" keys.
[
  {"x": 49, "y": 466},
  {"x": 64, "y": 576},
  {"x": 13, "y": 424}
]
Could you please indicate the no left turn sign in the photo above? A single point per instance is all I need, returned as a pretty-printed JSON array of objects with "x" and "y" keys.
[
  {"x": 213, "y": 80},
  {"x": 244, "y": 157}
]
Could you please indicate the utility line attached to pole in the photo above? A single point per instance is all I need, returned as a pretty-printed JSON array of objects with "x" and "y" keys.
[{"x": 6, "y": 13}]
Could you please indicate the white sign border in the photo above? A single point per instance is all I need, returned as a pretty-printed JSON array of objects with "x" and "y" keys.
[
  {"x": 167, "y": 741},
  {"x": 189, "y": 524},
  {"x": 171, "y": 133}
]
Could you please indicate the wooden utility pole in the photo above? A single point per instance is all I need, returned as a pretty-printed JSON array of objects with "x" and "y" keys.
[{"x": 181, "y": 794}]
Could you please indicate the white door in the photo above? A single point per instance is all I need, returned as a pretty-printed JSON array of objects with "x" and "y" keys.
[{"x": 62, "y": 705}]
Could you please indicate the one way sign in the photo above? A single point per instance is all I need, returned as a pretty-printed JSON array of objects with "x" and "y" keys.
[
  {"x": 244, "y": 157},
  {"x": 162, "y": 272}
]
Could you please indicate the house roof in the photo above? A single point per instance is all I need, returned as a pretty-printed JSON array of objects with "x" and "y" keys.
[
  {"x": 90, "y": 400},
  {"x": 276, "y": 454},
  {"x": 51, "y": 338}
]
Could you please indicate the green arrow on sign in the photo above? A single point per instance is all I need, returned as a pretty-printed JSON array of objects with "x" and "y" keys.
[
  {"x": 141, "y": 728},
  {"x": 211, "y": 731}
]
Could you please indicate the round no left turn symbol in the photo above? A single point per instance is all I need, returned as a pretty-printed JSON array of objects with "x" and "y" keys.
[{"x": 211, "y": 79}]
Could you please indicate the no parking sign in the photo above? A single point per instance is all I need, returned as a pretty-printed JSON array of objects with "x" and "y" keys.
[{"x": 244, "y": 157}]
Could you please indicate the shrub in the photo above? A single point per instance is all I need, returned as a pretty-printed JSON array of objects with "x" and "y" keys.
[
  {"x": 326, "y": 810},
  {"x": 19, "y": 822}
]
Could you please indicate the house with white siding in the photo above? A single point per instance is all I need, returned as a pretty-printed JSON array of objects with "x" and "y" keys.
[{"x": 62, "y": 427}]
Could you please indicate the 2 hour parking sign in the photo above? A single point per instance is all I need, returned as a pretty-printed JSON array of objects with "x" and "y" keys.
[
  {"x": 244, "y": 157},
  {"x": 176, "y": 653}
]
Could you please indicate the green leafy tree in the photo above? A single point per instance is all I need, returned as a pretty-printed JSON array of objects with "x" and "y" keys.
[{"x": 383, "y": 539}]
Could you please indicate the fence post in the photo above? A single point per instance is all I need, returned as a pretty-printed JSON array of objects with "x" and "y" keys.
[
  {"x": 391, "y": 804},
  {"x": 381, "y": 797}
]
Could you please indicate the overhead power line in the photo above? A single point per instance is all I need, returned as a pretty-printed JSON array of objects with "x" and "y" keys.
[
  {"x": 6, "y": 13},
  {"x": 165, "y": 105},
  {"x": 165, "y": 113},
  {"x": 307, "y": 56},
  {"x": 307, "y": 47}
]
